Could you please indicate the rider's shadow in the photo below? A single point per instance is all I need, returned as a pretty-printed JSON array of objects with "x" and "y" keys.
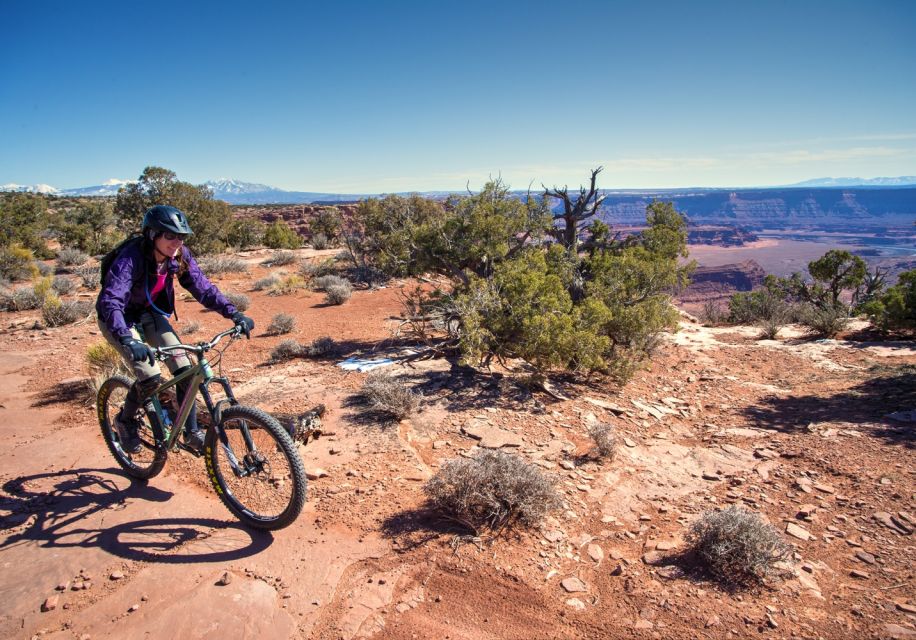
[{"x": 60, "y": 517}]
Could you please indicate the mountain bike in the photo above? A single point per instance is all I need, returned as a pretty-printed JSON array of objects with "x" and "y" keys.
[{"x": 251, "y": 460}]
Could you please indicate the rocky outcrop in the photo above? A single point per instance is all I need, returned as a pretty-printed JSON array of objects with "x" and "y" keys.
[{"x": 710, "y": 283}]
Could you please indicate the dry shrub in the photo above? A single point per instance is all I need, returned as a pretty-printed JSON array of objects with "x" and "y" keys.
[
  {"x": 492, "y": 490},
  {"x": 17, "y": 263},
  {"x": 825, "y": 321},
  {"x": 605, "y": 439},
  {"x": 737, "y": 546},
  {"x": 44, "y": 270},
  {"x": 265, "y": 283},
  {"x": 62, "y": 285},
  {"x": 280, "y": 324},
  {"x": 71, "y": 257},
  {"x": 287, "y": 285},
  {"x": 56, "y": 313},
  {"x": 338, "y": 293},
  {"x": 387, "y": 394},
  {"x": 103, "y": 361},
  {"x": 21, "y": 299},
  {"x": 222, "y": 264},
  {"x": 102, "y": 358},
  {"x": 312, "y": 270},
  {"x": 320, "y": 242},
  {"x": 322, "y": 346},
  {"x": 89, "y": 275},
  {"x": 713, "y": 313},
  {"x": 323, "y": 283},
  {"x": 286, "y": 350},
  {"x": 279, "y": 259},
  {"x": 239, "y": 300},
  {"x": 191, "y": 327}
]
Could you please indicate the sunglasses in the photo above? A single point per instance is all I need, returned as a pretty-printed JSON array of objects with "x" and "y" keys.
[{"x": 168, "y": 235}]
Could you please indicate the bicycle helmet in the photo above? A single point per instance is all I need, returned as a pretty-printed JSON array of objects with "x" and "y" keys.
[{"x": 162, "y": 218}]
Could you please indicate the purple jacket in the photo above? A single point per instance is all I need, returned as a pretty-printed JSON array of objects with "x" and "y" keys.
[{"x": 123, "y": 297}]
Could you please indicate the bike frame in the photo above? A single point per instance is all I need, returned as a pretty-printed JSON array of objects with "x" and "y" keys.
[{"x": 202, "y": 376}]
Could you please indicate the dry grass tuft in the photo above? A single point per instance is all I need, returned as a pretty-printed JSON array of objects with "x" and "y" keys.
[
  {"x": 737, "y": 546},
  {"x": 491, "y": 491}
]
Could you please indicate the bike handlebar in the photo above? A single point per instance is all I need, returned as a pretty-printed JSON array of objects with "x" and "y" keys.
[{"x": 200, "y": 348}]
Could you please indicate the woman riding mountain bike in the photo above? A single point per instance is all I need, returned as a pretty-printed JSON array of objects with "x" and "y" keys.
[{"x": 137, "y": 295}]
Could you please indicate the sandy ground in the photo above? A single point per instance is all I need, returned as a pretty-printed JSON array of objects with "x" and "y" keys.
[{"x": 796, "y": 430}]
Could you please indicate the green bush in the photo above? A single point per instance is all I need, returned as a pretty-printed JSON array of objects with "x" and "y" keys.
[
  {"x": 327, "y": 224},
  {"x": 89, "y": 227},
  {"x": 24, "y": 218},
  {"x": 279, "y": 236},
  {"x": 17, "y": 263},
  {"x": 245, "y": 233},
  {"x": 516, "y": 296},
  {"x": 157, "y": 185},
  {"x": 895, "y": 309}
]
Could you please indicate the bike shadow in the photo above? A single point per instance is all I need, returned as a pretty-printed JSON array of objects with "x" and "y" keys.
[{"x": 60, "y": 510}]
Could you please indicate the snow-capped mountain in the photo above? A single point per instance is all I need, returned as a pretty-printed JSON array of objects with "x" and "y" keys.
[
  {"x": 108, "y": 188},
  {"x": 858, "y": 182},
  {"x": 228, "y": 185},
  {"x": 28, "y": 188}
]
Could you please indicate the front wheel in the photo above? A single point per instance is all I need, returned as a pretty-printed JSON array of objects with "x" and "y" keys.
[
  {"x": 255, "y": 468},
  {"x": 149, "y": 460}
]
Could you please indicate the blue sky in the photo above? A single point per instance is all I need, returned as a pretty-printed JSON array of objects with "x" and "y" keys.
[{"x": 393, "y": 96}]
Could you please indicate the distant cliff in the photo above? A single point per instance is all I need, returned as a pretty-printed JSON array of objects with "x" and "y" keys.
[
  {"x": 846, "y": 208},
  {"x": 711, "y": 283}
]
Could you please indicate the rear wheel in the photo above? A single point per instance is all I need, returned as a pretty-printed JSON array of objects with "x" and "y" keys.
[
  {"x": 255, "y": 468},
  {"x": 148, "y": 461}
]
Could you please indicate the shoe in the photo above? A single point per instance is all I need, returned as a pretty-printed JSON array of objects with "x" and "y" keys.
[
  {"x": 128, "y": 434},
  {"x": 195, "y": 440}
]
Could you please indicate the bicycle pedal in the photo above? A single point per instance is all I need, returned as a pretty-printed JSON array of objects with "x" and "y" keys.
[{"x": 194, "y": 452}]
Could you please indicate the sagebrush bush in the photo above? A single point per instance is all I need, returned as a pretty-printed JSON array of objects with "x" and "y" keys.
[
  {"x": 62, "y": 285},
  {"x": 239, "y": 300},
  {"x": 321, "y": 283},
  {"x": 43, "y": 269},
  {"x": 492, "y": 490},
  {"x": 191, "y": 328},
  {"x": 825, "y": 321},
  {"x": 605, "y": 439},
  {"x": 383, "y": 392},
  {"x": 17, "y": 263},
  {"x": 312, "y": 270},
  {"x": 338, "y": 293},
  {"x": 286, "y": 350},
  {"x": 222, "y": 264},
  {"x": 320, "y": 242},
  {"x": 71, "y": 257},
  {"x": 280, "y": 324},
  {"x": 322, "y": 346},
  {"x": 56, "y": 313},
  {"x": 286, "y": 286},
  {"x": 265, "y": 283},
  {"x": 20, "y": 299},
  {"x": 737, "y": 546},
  {"x": 89, "y": 275},
  {"x": 279, "y": 259}
]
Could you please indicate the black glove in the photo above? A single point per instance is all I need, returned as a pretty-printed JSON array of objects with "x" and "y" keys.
[
  {"x": 139, "y": 351},
  {"x": 244, "y": 323}
]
